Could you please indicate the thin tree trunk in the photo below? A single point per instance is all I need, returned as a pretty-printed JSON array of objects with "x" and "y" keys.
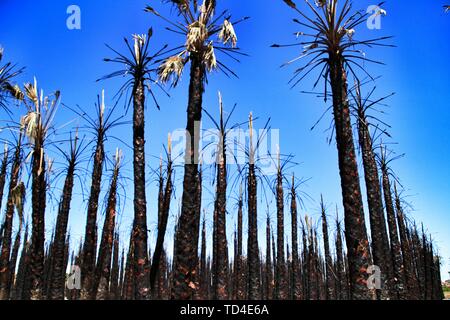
[
  {"x": 281, "y": 272},
  {"x": 103, "y": 268},
  {"x": 57, "y": 279},
  {"x": 296, "y": 288},
  {"x": 8, "y": 224},
  {"x": 90, "y": 241},
  {"x": 253, "y": 248},
  {"x": 269, "y": 276},
  {"x": 329, "y": 287},
  {"x": 3, "y": 169},
  {"x": 394, "y": 239}
]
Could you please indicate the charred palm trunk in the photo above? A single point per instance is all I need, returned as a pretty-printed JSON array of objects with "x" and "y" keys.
[
  {"x": 21, "y": 269},
  {"x": 90, "y": 241},
  {"x": 410, "y": 274},
  {"x": 162, "y": 225},
  {"x": 57, "y": 279},
  {"x": 39, "y": 191},
  {"x": 296, "y": 288},
  {"x": 103, "y": 268},
  {"x": 396, "y": 253},
  {"x": 220, "y": 273},
  {"x": 340, "y": 266},
  {"x": 269, "y": 276},
  {"x": 253, "y": 248},
  {"x": 281, "y": 272},
  {"x": 8, "y": 224},
  {"x": 380, "y": 241},
  {"x": 114, "y": 283},
  {"x": 3, "y": 169},
  {"x": 356, "y": 233},
  {"x": 186, "y": 255},
  {"x": 13, "y": 263},
  {"x": 203, "y": 271},
  {"x": 329, "y": 287},
  {"x": 240, "y": 273},
  {"x": 140, "y": 203}
]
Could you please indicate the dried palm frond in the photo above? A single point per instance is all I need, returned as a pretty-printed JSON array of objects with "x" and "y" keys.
[
  {"x": 196, "y": 36},
  {"x": 210, "y": 58},
  {"x": 18, "y": 198},
  {"x": 171, "y": 69},
  {"x": 29, "y": 124},
  {"x": 447, "y": 8},
  {"x": 227, "y": 34},
  {"x": 139, "y": 42}
]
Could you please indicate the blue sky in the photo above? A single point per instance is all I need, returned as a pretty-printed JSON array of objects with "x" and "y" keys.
[{"x": 34, "y": 34}]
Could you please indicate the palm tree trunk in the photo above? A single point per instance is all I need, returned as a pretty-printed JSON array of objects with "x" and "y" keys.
[
  {"x": 8, "y": 224},
  {"x": 296, "y": 288},
  {"x": 356, "y": 234},
  {"x": 114, "y": 283},
  {"x": 329, "y": 287},
  {"x": 396, "y": 252},
  {"x": 220, "y": 254},
  {"x": 269, "y": 276},
  {"x": 281, "y": 272},
  {"x": 140, "y": 203},
  {"x": 241, "y": 287},
  {"x": 3, "y": 169},
  {"x": 380, "y": 241},
  {"x": 103, "y": 268},
  {"x": 410, "y": 275},
  {"x": 253, "y": 248},
  {"x": 39, "y": 191},
  {"x": 57, "y": 280},
  {"x": 90, "y": 241},
  {"x": 162, "y": 226},
  {"x": 186, "y": 255}
]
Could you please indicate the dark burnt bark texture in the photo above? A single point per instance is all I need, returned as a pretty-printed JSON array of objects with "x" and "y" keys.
[
  {"x": 8, "y": 224},
  {"x": 380, "y": 241},
  {"x": 356, "y": 233},
  {"x": 268, "y": 285},
  {"x": 141, "y": 258},
  {"x": 396, "y": 251},
  {"x": 103, "y": 267},
  {"x": 3, "y": 170},
  {"x": 39, "y": 196},
  {"x": 253, "y": 269},
  {"x": 90, "y": 241},
  {"x": 295, "y": 281},
  {"x": 57, "y": 279},
  {"x": 329, "y": 283},
  {"x": 186, "y": 250},
  {"x": 281, "y": 272}
]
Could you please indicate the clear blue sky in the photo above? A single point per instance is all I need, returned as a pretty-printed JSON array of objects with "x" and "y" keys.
[{"x": 34, "y": 35}]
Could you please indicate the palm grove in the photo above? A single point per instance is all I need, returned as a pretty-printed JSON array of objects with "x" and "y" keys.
[{"x": 317, "y": 264}]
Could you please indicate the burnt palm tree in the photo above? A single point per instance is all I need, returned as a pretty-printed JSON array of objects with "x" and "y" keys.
[
  {"x": 14, "y": 189},
  {"x": 139, "y": 68},
  {"x": 58, "y": 267},
  {"x": 396, "y": 250},
  {"x": 37, "y": 125},
  {"x": 3, "y": 169},
  {"x": 200, "y": 27},
  {"x": 163, "y": 217},
  {"x": 330, "y": 46},
  {"x": 8, "y": 72},
  {"x": 380, "y": 241},
  {"x": 103, "y": 267}
]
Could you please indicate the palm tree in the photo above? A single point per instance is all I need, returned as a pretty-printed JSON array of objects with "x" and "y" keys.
[
  {"x": 58, "y": 267},
  {"x": 139, "y": 69},
  {"x": 331, "y": 47},
  {"x": 296, "y": 287},
  {"x": 103, "y": 267},
  {"x": 37, "y": 124},
  {"x": 8, "y": 72},
  {"x": 200, "y": 27},
  {"x": 14, "y": 189},
  {"x": 329, "y": 294},
  {"x": 164, "y": 203},
  {"x": 380, "y": 241}
]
